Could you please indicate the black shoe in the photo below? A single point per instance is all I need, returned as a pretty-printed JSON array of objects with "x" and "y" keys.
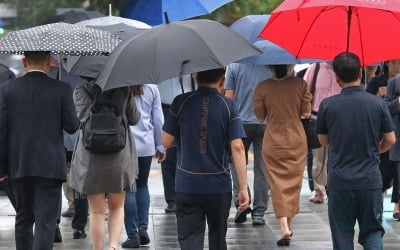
[
  {"x": 171, "y": 208},
  {"x": 57, "y": 235},
  {"x": 79, "y": 234},
  {"x": 283, "y": 242},
  {"x": 143, "y": 236},
  {"x": 68, "y": 213},
  {"x": 396, "y": 216},
  {"x": 240, "y": 217},
  {"x": 131, "y": 243}
]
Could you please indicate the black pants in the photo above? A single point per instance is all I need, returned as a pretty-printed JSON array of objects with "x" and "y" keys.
[
  {"x": 193, "y": 210},
  {"x": 38, "y": 201},
  {"x": 168, "y": 168},
  {"x": 9, "y": 192},
  {"x": 79, "y": 221}
]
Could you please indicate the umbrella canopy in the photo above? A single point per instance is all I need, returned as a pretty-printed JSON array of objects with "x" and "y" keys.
[
  {"x": 250, "y": 26},
  {"x": 73, "y": 16},
  {"x": 169, "y": 50},
  {"x": 152, "y": 11},
  {"x": 60, "y": 38},
  {"x": 324, "y": 28},
  {"x": 273, "y": 54},
  {"x": 111, "y": 20},
  {"x": 90, "y": 66}
]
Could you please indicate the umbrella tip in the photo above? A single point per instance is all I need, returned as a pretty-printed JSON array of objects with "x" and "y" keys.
[{"x": 166, "y": 17}]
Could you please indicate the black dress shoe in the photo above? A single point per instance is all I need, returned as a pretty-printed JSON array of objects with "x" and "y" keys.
[
  {"x": 171, "y": 208},
  {"x": 57, "y": 235},
  {"x": 240, "y": 217},
  {"x": 283, "y": 242},
  {"x": 79, "y": 234}
]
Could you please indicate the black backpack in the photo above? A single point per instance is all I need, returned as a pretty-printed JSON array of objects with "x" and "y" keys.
[{"x": 104, "y": 131}]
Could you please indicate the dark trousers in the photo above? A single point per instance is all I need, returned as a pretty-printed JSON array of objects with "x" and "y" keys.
[
  {"x": 168, "y": 168},
  {"x": 9, "y": 192},
  {"x": 309, "y": 170},
  {"x": 193, "y": 210},
  {"x": 38, "y": 201},
  {"x": 345, "y": 207},
  {"x": 79, "y": 221}
]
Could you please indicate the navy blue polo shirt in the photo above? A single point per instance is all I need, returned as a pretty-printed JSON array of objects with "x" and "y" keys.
[
  {"x": 355, "y": 121},
  {"x": 203, "y": 122}
]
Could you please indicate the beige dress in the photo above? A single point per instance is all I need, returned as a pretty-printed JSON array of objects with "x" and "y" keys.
[{"x": 284, "y": 146}]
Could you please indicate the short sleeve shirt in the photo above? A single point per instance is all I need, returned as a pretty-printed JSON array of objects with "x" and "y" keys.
[
  {"x": 243, "y": 80},
  {"x": 203, "y": 122},
  {"x": 355, "y": 122}
]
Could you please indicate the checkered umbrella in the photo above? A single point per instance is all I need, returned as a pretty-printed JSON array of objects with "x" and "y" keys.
[{"x": 60, "y": 39}]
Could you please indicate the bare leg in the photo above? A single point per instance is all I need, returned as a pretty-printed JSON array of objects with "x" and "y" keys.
[
  {"x": 285, "y": 231},
  {"x": 115, "y": 218},
  {"x": 289, "y": 222},
  {"x": 96, "y": 222}
]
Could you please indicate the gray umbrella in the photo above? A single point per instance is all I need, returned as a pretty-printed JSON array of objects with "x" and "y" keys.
[
  {"x": 90, "y": 66},
  {"x": 169, "y": 50},
  {"x": 60, "y": 38}
]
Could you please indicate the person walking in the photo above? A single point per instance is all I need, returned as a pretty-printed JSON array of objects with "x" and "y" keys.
[
  {"x": 284, "y": 100},
  {"x": 206, "y": 129},
  {"x": 357, "y": 126},
  {"x": 169, "y": 89},
  {"x": 389, "y": 174},
  {"x": 241, "y": 80},
  {"x": 147, "y": 134},
  {"x": 325, "y": 85},
  {"x": 34, "y": 111},
  {"x": 107, "y": 176}
]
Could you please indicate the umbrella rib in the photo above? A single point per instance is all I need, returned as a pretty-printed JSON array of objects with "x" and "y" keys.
[
  {"x": 360, "y": 33},
  {"x": 327, "y": 8}
]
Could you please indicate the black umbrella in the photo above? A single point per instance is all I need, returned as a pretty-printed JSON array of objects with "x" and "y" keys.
[{"x": 73, "y": 16}]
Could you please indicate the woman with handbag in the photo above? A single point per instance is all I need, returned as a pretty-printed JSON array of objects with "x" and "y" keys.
[{"x": 284, "y": 100}]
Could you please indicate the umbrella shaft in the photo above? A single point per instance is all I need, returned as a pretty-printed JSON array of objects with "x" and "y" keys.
[{"x": 349, "y": 13}]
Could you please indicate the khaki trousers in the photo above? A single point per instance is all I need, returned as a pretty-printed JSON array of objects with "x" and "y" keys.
[{"x": 319, "y": 169}]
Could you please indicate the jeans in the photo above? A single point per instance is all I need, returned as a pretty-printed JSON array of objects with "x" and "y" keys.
[
  {"x": 255, "y": 135},
  {"x": 345, "y": 207},
  {"x": 193, "y": 210},
  {"x": 137, "y": 204}
]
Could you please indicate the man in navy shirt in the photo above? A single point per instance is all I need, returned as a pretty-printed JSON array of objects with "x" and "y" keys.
[
  {"x": 207, "y": 130},
  {"x": 357, "y": 126}
]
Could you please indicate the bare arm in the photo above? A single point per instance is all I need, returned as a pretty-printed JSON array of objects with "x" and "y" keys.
[
  {"x": 323, "y": 139},
  {"x": 239, "y": 161},
  {"x": 229, "y": 93},
  {"x": 168, "y": 140},
  {"x": 387, "y": 142}
]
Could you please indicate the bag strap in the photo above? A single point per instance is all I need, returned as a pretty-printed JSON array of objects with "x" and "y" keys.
[
  {"x": 314, "y": 81},
  {"x": 396, "y": 87},
  {"x": 92, "y": 94}
]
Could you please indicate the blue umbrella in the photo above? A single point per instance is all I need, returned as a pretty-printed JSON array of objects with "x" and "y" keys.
[
  {"x": 152, "y": 11},
  {"x": 274, "y": 54},
  {"x": 250, "y": 26}
]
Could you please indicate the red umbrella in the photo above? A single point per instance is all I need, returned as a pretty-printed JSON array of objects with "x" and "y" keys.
[{"x": 324, "y": 28}]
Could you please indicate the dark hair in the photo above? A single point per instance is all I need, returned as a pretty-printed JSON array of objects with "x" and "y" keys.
[
  {"x": 210, "y": 76},
  {"x": 280, "y": 70},
  {"x": 347, "y": 66},
  {"x": 36, "y": 57}
]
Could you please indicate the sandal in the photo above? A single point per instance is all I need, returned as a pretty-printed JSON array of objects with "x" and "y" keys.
[{"x": 283, "y": 242}]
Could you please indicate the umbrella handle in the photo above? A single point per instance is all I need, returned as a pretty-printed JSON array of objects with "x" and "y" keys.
[{"x": 166, "y": 17}]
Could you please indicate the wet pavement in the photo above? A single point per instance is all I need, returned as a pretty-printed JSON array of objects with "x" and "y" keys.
[{"x": 310, "y": 227}]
